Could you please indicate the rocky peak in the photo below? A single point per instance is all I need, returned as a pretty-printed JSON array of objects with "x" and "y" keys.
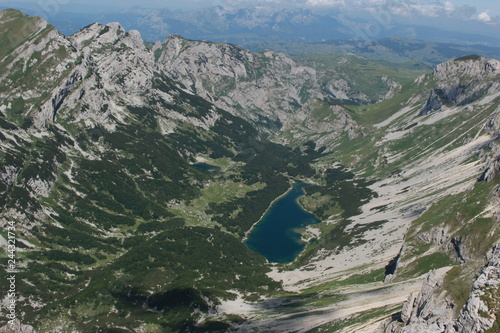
[
  {"x": 461, "y": 81},
  {"x": 111, "y": 33},
  {"x": 468, "y": 66},
  {"x": 83, "y": 67},
  {"x": 87, "y": 34}
]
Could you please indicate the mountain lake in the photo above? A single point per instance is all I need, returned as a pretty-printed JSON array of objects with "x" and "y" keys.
[{"x": 275, "y": 236}]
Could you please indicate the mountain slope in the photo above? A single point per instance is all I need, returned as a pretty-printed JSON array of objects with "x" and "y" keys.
[{"x": 275, "y": 92}]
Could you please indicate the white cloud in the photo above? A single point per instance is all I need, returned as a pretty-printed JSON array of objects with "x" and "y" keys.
[
  {"x": 325, "y": 3},
  {"x": 485, "y": 17},
  {"x": 448, "y": 6},
  {"x": 405, "y": 8},
  {"x": 428, "y": 8},
  {"x": 431, "y": 10}
]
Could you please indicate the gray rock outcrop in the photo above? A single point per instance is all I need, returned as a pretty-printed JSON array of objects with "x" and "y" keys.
[
  {"x": 431, "y": 310},
  {"x": 462, "y": 81},
  {"x": 268, "y": 84},
  {"x": 482, "y": 309}
]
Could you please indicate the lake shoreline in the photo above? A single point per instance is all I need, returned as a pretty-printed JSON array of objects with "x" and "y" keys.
[
  {"x": 283, "y": 224},
  {"x": 265, "y": 212}
]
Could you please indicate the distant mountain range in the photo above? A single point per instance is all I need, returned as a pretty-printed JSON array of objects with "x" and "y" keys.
[
  {"x": 392, "y": 49},
  {"x": 242, "y": 25}
]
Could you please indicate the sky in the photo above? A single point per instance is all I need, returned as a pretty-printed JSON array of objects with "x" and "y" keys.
[{"x": 485, "y": 11}]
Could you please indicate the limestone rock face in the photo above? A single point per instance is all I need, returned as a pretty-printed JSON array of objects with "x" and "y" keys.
[
  {"x": 461, "y": 81},
  {"x": 483, "y": 307},
  {"x": 431, "y": 311},
  {"x": 469, "y": 66},
  {"x": 426, "y": 311},
  {"x": 267, "y": 88},
  {"x": 315, "y": 117},
  {"x": 269, "y": 85},
  {"x": 341, "y": 90}
]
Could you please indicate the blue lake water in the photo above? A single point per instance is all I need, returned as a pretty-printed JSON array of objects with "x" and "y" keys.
[{"x": 274, "y": 236}]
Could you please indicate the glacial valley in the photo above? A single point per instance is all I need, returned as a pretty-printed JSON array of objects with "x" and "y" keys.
[{"x": 118, "y": 228}]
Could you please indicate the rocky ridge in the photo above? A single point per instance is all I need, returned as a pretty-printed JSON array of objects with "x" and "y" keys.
[
  {"x": 477, "y": 79},
  {"x": 237, "y": 80},
  {"x": 482, "y": 309},
  {"x": 273, "y": 87}
]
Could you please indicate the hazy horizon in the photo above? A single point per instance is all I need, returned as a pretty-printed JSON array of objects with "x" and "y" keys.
[{"x": 481, "y": 18}]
